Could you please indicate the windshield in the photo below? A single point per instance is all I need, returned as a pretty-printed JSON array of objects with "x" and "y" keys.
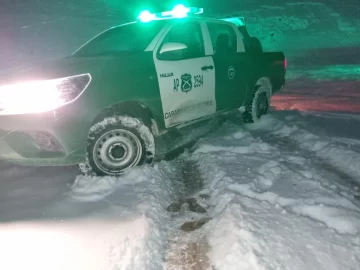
[{"x": 133, "y": 37}]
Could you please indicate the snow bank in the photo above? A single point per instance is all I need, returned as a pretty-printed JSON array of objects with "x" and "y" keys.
[
  {"x": 271, "y": 209},
  {"x": 101, "y": 223}
]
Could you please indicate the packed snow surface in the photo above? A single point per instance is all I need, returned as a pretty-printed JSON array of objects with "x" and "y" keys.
[
  {"x": 99, "y": 223},
  {"x": 274, "y": 205},
  {"x": 280, "y": 195},
  {"x": 278, "y": 199}
]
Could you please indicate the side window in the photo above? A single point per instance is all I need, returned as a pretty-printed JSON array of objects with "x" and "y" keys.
[
  {"x": 189, "y": 34},
  {"x": 127, "y": 38},
  {"x": 110, "y": 42},
  {"x": 223, "y": 38}
]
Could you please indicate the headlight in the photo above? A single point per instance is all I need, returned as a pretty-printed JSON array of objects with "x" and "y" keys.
[{"x": 41, "y": 96}]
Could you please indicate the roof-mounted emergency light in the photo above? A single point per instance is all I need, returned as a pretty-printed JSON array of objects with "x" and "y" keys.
[
  {"x": 146, "y": 16},
  {"x": 179, "y": 11}
]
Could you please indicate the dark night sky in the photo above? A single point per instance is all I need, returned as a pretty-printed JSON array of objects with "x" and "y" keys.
[
  {"x": 348, "y": 8},
  {"x": 34, "y": 30}
]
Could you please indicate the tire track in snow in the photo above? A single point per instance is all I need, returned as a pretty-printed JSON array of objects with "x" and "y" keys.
[
  {"x": 333, "y": 153},
  {"x": 243, "y": 172},
  {"x": 187, "y": 246},
  {"x": 290, "y": 148}
]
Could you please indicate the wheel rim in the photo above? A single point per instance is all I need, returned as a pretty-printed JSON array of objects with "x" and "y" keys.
[
  {"x": 262, "y": 105},
  {"x": 117, "y": 150}
]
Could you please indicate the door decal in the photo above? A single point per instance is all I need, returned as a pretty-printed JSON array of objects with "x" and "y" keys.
[
  {"x": 231, "y": 72},
  {"x": 186, "y": 82},
  {"x": 187, "y": 92}
]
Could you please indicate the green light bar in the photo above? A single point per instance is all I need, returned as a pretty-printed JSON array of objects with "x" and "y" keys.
[
  {"x": 179, "y": 11},
  {"x": 146, "y": 16}
]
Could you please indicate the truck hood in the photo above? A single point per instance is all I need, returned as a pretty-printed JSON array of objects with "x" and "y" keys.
[{"x": 58, "y": 68}]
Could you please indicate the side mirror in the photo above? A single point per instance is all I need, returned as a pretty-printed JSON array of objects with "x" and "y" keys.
[{"x": 172, "y": 51}]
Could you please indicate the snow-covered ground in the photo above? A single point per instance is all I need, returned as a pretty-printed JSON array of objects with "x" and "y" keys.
[
  {"x": 280, "y": 194},
  {"x": 49, "y": 222},
  {"x": 281, "y": 197}
]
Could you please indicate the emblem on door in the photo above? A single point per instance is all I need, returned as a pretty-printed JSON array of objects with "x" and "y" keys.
[
  {"x": 186, "y": 83},
  {"x": 231, "y": 72}
]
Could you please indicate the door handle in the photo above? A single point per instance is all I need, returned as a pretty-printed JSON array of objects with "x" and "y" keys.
[{"x": 207, "y": 68}]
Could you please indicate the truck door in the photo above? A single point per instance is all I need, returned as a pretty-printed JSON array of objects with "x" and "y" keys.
[
  {"x": 228, "y": 53},
  {"x": 185, "y": 73}
]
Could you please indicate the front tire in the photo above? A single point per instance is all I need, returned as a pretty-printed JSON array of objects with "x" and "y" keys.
[{"x": 116, "y": 144}]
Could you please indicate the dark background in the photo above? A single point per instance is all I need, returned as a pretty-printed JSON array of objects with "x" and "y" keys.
[{"x": 36, "y": 30}]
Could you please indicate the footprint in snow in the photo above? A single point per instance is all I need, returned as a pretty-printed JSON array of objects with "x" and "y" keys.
[
  {"x": 194, "y": 225},
  {"x": 190, "y": 203},
  {"x": 268, "y": 174}
]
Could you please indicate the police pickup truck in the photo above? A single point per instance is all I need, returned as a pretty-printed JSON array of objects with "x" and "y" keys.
[{"x": 104, "y": 105}]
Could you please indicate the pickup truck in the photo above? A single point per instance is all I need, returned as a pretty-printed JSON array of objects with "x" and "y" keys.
[{"x": 104, "y": 105}]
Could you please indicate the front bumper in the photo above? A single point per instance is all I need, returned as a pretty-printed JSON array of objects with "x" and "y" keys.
[{"x": 44, "y": 139}]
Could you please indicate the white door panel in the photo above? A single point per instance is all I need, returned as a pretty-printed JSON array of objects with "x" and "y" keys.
[
  {"x": 187, "y": 87},
  {"x": 187, "y": 91}
]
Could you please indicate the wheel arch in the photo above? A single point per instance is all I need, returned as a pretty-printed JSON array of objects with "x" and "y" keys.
[
  {"x": 264, "y": 81},
  {"x": 253, "y": 85},
  {"x": 133, "y": 109}
]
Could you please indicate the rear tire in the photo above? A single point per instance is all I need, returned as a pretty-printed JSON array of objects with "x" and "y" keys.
[
  {"x": 260, "y": 102},
  {"x": 116, "y": 144}
]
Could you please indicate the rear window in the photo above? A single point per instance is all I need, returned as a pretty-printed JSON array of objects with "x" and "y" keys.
[
  {"x": 134, "y": 37},
  {"x": 217, "y": 29}
]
